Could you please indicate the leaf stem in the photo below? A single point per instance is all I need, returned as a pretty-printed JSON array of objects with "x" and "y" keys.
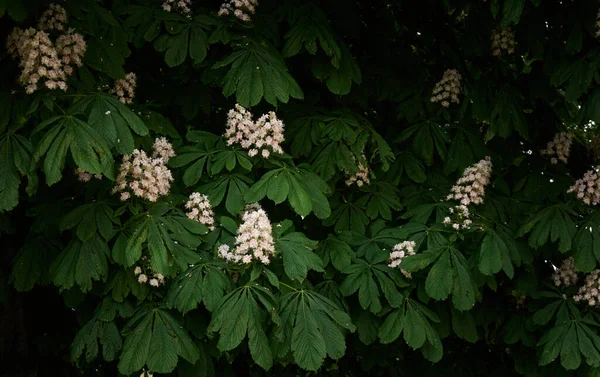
[{"x": 290, "y": 287}]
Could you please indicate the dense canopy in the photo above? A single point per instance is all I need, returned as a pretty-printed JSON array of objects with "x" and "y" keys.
[{"x": 297, "y": 188}]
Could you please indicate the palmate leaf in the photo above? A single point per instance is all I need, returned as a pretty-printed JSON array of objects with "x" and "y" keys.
[
  {"x": 311, "y": 328},
  {"x": 298, "y": 256},
  {"x": 410, "y": 164},
  {"x": 200, "y": 156},
  {"x": 257, "y": 71},
  {"x": 448, "y": 275},
  {"x": 586, "y": 244},
  {"x": 30, "y": 266},
  {"x": 80, "y": 263},
  {"x": 507, "y": 115},
  {"x": 336, "y": 250},
  {"x": 573, "y": 340},
  {"x": 88, "y": 148},
  {"x": 101, "y": 329},
  {"x": 154, "y": 338},
  {"x": 90, "y": 334},
  {"x": 552, "y": 223},
  {"x": 372, "y": 277},
  {"x": 339, "y": 79},
  {"x": 342, "y": 137},
  {"x": 495, "y": 254},
  {"x": 381, "y": 199},
  {"x": 90, "y": 219},
  {"x": 201, "y": 282},
  {"x": 169, "y": 239},
  {"x": 15, "y": 157},
  {"x": 186, "y": 37},
  {"x": 303, "y": 189},
  {"x": 239, "y": 314},
  {"x": 232, "y": 188},
  {"x": 115, "y": 121},
  {"x": 308, "y": 25},
  {"x": 413, "y": 320},
  {"x": 348, "y": 217},
  {"x": 427, "y": 137}
]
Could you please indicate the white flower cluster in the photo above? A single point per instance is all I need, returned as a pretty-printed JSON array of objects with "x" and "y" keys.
[
  {"x": 567, "y": 273},
  {"x": 147, "y": 177},
  {"x": 469, "y": 189},
  {"x": 503, "y": 40},
  {"x": 84, "y": 176},
  {"x": 588, "y": 187},
  {"x": 44, "y": 61},
  {"x": 264, "y": 136},
  {"x": 559, "y": 148},
  {"x": 181, "y": 6},
  {"x": 242, "y": 9},
  {"x": 254, "y": 238},
  {"x": 460, "y": 217},
  {"x": 361, "y": 177},
  {"x": 200, "y": 210},
  {"x": 590, "y": 291},
  {"x": 146, "y": 373},
  {"x": 53, "y": 18},
  {"x": 399, "y": 252},
  {"x": 447, "y": 89},
  {"x": 156, "y": 280},
  {"x": 124, "y": 89}
]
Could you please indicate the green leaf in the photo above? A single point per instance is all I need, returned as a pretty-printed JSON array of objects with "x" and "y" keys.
[
  {"x": 257, "y": 71},
  {"x": 463, "y": 293},
  {"x": 156, "y": 248},
  {"x": 439, "y": 280},
  {"x": 298, "y": 257},
  {"x": 463, "y": 325},
  {"x": 511, "y": 11},
  {"x": 186, "y": 291},
  {"x": 162, "y": 355},
  {"x": 133, "y": 248},
  {"x": 339, "y": 79},
  {"x": 308, "y": 343},
  {"x": 490, "y": 254},
  {"x": 137, "y": 344}
]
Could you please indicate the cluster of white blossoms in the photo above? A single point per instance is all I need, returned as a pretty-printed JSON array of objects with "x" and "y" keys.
[
  {"x": 566, "y": 274},
  {"x": 43, "y": 62},
  {"x": 590, "y": 291},
  {"x": 559, "y": 148},
  {"x": 460, "y": 217},
  {"x": 254, "y": 240},
  {"x": 200, "y": 210},
  {"x": 469, "y": 189},
  {"x": 53, "y": 18},
  {"x": 588, "y": 187},
  {"x": 124, "y": 89},
  {"x": 263, "y": 136},
  {"x": 399, "y": 252},
  {"x": 181, "y": 6},
  {"x": 146, "y": 177},
  {"x": 446, "y": 90},
  {"x": 156, "y": 280},
  {"x": 242, "y": 9},
  {"x": 84, "y": 176},
  {"x": 361, "y": 177},
  {"x": 503, "y": 40}
]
